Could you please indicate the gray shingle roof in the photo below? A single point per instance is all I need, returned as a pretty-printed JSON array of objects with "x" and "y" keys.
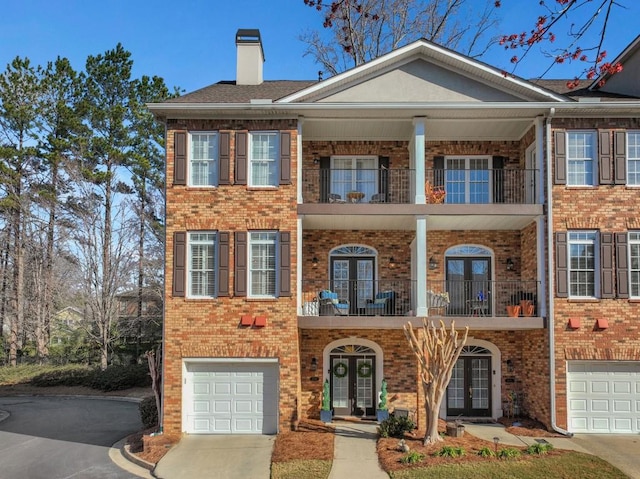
[
  {"x": 581, "y": 91},
  {"x": 229, "y": 92}
]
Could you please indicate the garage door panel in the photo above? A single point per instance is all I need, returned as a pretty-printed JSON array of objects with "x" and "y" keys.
[
  {"x": 602, "y": 396},
  {"x": 231, "y": 398}
]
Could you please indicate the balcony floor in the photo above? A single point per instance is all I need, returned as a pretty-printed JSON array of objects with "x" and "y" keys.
[{"x": 484, "y": 323}]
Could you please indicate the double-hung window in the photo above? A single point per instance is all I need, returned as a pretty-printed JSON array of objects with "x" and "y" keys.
[
  {"x": 582, "y": 247},
  {"x": 262, "y": 264},
  {"x": 203, "y": 159},
  {"x": 633, "y": 158},
  {"x": 581, "y": 158},
  {"x": 263, "y": 161},
  {"x": 202, "y": 264},
  {"x": 634, "y": 263}
]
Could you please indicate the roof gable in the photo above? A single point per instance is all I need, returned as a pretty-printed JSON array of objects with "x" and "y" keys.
[
  {"x": 626, "y": 81},
  {"x": 427, "y": 69}
]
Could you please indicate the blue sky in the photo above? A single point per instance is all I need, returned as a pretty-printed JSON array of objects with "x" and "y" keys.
[{"x": 191, "y": 43}]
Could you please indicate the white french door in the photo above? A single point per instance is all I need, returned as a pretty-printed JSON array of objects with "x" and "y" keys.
[
  {"x": 354, "y": 174},
  {"x": 468, "y": 180}
]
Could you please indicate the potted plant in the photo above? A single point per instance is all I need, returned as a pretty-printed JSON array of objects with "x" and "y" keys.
[
  {"x": 513, "y": 311},
  {"x": 326, "y": 415},
  {"x": 382, "y": 412}
]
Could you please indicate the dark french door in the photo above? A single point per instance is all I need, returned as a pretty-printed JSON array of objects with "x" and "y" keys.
[
  {"x": 469, "y": 285},
  {"x": 353, "y": 382},
  {"x": 353, "y": 279},
  {"x": 469, "y": 391}
]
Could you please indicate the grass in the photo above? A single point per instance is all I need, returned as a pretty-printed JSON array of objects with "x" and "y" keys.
[
  {"x": 23, "y": 374},
  {"x": 298, "y": 469},
  {"x": 569, "y": 465}
]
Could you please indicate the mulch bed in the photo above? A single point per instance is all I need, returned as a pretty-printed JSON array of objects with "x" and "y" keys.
[
  {"x": 312, "y": 440},
  {"x": 527, "y": 427}
]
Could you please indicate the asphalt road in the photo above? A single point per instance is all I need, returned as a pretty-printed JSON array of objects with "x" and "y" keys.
[{"x": 58, "y": 437}]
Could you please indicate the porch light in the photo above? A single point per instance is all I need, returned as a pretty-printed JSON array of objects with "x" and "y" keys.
[
  {"x": 316, "y": 160},
  {"x": 314, "y": 262},
  {"x": 314, "y": 364},
  {"x": 510, "y": 264},
  {"x": 433, "y": 264},
  {"x": 510, "y": 365},
  {"x": 392, "y": 262}
]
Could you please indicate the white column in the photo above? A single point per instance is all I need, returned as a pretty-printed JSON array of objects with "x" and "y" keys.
[
  {"x": 421, "y": 265},
  {"x": 418, "y": 158},
  {"x": 299, "y": 157}
]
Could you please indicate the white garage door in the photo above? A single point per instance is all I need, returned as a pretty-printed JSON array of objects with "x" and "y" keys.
[
  {"x": 604, "y": 396},
  {"x": 231, "y": 398}
]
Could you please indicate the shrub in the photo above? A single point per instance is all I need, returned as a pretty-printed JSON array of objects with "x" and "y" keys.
[
  {"x": 509, "y": 453},
  {"x": 118, "y": 377},
  {"x": 450, "y": 451},
  {"x": 65, "y": 376},
  {"x": 148, "y": 412},
  {"x": 395, "y": 426},
  {"x": 539, "y": 449},
  {"x": 412, "y": 457},
  {"x": 486, "y": 452}
]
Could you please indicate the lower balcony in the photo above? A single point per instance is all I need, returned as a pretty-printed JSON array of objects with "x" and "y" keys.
[{"x": 382, "y": 304}]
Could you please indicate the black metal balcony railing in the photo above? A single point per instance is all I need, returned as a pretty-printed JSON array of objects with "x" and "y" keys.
[
  {"x": 357, "y": 297},
  {"x": 397, "y": 298},
  {"x": 397, "y": 186},
  {"x": 377, "y": 186}
]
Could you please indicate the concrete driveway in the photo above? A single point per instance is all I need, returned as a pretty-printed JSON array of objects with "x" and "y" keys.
[
  {"x": 227, "y": 456},
  {"x": 621, "y": 450}
]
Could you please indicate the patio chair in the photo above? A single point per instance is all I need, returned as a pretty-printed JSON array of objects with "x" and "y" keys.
[
  {"x": 384, "y": 304},
  {"x": 331, "y": 305},
  {"x": 336, "y": 198},
  {"x": 378, "y": 198}
]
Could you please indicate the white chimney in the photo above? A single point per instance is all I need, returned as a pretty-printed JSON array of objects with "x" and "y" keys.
[{"x": 250, "y": 57}]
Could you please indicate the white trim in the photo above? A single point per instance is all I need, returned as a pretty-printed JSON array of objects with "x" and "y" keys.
[
  {"x": 231, "y": 360},
  {"x": 215, "y": 160},
  {"x": 276, "y": 160}
]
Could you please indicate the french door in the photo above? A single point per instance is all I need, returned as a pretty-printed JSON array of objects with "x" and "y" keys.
[
  {"x": 354, "y": 174},
  {"x": 469, "y": 285},
  {"x": 469, "y": 391},
  {"x": 353, "y": 279},
  {"x": 468, "y": 180},
  {"x": 353, "y": 385}
]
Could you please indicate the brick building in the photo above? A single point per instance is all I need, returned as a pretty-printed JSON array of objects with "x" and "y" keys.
[{"x": 307, "y": 222}]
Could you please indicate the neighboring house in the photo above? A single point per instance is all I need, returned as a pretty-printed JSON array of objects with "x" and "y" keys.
[
  {"x": 65, "y": 324},
  {"x": 307, "y": 222}
]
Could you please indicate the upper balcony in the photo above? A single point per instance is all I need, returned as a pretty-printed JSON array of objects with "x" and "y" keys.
[{"x": 464, "y": 186}]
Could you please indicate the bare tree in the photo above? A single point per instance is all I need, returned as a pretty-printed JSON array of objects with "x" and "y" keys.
[
  {"x": 437, "y": 350},
  {"x": 362, "y": 30}
]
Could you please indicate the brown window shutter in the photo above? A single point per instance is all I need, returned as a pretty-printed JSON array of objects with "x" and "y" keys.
[
  {"x": 560, "y": 153},
  {"x": 224, "y": 157},
  {"x": 179, "y": 263},
  {"x": 240, "y": 283},
  {"x": 605, "y": 159},
  {"x": 325, "y": 178},
  {"x": 180, "y": 158},
  {"x": 285, "y": 158},
  {"x": 223, "y": 263},
  {"x": 606, "y": 266},
  {"x": 242, "y": 139},
  {"x": 284, "y": 245},
  {"x": 620, "y": 157},
  {"x": 562, "y": 266},
  {"x": 622, "y": 265},
  {"x": 438, "y": 171}
]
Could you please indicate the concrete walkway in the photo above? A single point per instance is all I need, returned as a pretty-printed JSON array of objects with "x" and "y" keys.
[{"x": 355, "y": 452}]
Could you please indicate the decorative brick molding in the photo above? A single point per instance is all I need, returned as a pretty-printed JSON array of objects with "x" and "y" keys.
[
  {"x": 583, "y": 223},
  {"x": 201, "y": 224},
  {"x": 192, "y": 349},
  {"x": 263, "y": 224},
  {"x": 633, "y": 223},
  {"x": 605, "y": 354}
]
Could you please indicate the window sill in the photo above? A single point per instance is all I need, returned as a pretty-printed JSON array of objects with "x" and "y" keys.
[
  {"x": 584, "y": 300},
  {"x": 261, "y": 188},
  {"x": 634, "y": 300},
  {"x": 201, "y": 188},
  {"x": 582, "y": 187},
  {"x": 201, "y": 298},
  {"x": 255, "y": 300}
]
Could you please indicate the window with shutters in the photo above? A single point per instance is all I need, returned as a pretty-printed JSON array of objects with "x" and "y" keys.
[
  {"x": 633, "y": 158},
  {"x": 262, "y": 264},
  {"x": 581, "y": 158},
  {"x": 634, "y": 263},
  {"x": 264, "y": 153},
  {"x": 582, "y": 248},
  {"x": 203, "y": 159},
  {"x": 201, "y": 262}
]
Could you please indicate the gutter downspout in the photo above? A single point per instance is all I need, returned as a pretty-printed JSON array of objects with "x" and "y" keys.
[{"x": 551, "y": 282}]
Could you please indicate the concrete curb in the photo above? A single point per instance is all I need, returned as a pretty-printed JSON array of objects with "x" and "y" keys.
[
  {"x": 123, "y": 461},
  {"x": 4, "y": 415},
  {"x": 76, "y": 396},
  {"x": 131, "y": 457}
]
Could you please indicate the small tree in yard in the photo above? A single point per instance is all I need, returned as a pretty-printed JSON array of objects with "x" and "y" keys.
[
  {"x": 154, "y": 358},
  {"x": 437, "y": 350}
]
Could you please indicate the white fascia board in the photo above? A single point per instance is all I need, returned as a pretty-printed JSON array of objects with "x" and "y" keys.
[
  {"x": 425, "y": 47},
  {"x": 230, "y": 360}
]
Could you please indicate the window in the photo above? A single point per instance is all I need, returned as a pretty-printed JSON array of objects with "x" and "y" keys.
[
  {"x": 263, "y": 164},
  {"x": 354, "y": 174},
  {"x": 581, "y": 151},
  {"x": 634, "y": 263},
  {"x": 633, "y": 158},
  {"x": 467, "y": 180},
  {"x": 202, "y": 265},
  {"x": 262, "y": 264},
  {"x": 582, "y": 264},
  {"x": 203, "y": 164}
]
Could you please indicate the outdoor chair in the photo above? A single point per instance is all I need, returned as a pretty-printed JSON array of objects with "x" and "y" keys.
[
  {"x": 378, "y": 198},
  {"x": 336, "y": 198},
  {"x": 331, "y": 305},
  {"x": 384, "y": 304}
]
